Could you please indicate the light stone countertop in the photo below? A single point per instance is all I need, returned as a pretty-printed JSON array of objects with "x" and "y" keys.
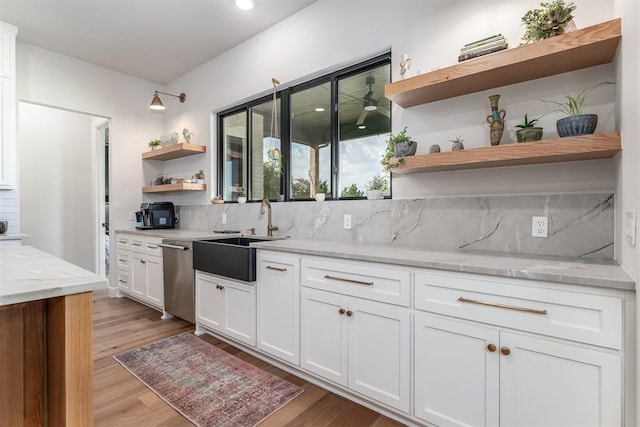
[
  {"x": 553, "y": 269},
  {"x": 176, "y": 233},
  {"x": 13, "y": 236},
  {"x": 29, "y": 274}
]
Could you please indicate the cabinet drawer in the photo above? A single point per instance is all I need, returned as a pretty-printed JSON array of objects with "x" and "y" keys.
[
  {"x": 582, "y": 317},
  {"x": 123, "y": 261},
  {"x": 360, "y": 279},
  {"x": 123, "y": 241},
  {"x": 137, "y": 243},
  {"x": 151, "y": 245},
  {"x": 124, "y": 279}
]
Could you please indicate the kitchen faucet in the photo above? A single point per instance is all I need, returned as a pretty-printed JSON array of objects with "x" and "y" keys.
[{"x": 270, "y": 227}]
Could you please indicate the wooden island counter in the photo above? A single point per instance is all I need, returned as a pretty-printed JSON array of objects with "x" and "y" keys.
[{"x": 46, "y": 339}]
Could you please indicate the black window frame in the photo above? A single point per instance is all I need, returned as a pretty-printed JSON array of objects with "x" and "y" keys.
[{"x": 284, "y": 96}]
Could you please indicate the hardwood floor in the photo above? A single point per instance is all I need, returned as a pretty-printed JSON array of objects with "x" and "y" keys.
[{"x": 121, "y": 400}]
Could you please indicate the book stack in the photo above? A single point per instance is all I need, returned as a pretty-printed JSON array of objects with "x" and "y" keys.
[{"x": 483, "y": 47}]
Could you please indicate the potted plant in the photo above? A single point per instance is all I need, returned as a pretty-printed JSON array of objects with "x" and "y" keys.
[
  {"x": 457, "y": 144},
  {"x": 154, "y": 143},
  {"x": 528, "y": 130},
  {"x": 242, "y": 198},
  {"x": 576, "y": 122},
  {"x": 552, "y": 19},
  {"x": 398, "y": 146},
  {"x": 376, "y": 187},
  {"x": 321, "y": 190}
]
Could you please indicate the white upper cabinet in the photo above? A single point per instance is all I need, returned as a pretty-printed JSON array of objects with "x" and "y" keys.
[{"x": 7, "y": 106}]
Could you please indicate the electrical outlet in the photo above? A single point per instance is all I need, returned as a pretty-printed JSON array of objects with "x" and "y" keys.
[
  {"x": 132, "y": 215},
  {"x": 347, "y": 222},
  {"x": 224, "y": 218},
  {"x": 630, "y": 217},
  {"x": 540, "y": 226}
]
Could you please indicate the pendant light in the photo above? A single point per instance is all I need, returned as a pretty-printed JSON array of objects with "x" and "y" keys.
[
  {"x": 156, "y": 102},
  {"x": 244, "y": 4}
]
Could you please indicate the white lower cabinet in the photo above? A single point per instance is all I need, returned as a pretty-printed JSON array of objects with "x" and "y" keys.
[
  {"x": 363, "y": 345},
  {"x": 472, "y": 374},
  {"x": 278, "y": 303},
  {"x": 226, "y": 306},
  {"x": 139, "y": 267}
]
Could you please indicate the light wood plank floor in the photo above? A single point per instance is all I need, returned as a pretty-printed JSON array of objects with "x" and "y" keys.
[{"x": 119, "y": 399}]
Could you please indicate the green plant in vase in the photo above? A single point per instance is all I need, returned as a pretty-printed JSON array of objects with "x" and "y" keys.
[
  {"x": 154, "y": 143},
  {"x": 377, "y": 187},
  {"x": 398, "y": 146},
  {"x": 528, "y": 131},
  {"x": 551, "y": 19}
]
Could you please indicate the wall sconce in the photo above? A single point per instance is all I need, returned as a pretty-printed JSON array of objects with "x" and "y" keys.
[{"x": 156, "y": 103}]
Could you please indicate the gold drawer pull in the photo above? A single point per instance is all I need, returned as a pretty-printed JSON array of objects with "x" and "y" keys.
[
  {"x": 276, "y": 268},
  {"x": 137, "y": 244},
  {"x": 122, "y": 281},
  {"x": 508, "y": 307},
  {"x": 491, "y": 348},
  {"x": 357, "y": 282},
  {"x": 122, "y": 260}
]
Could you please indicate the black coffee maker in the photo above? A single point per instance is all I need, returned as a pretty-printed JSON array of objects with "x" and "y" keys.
[{"x": 156, "y": 215}]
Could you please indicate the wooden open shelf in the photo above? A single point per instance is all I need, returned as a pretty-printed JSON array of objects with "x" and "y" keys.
[
  {"x": 174, "y": 187},
  {"x": 586, "y": 147},
  {"x": 578, "y": 49},
  {"x": 174, "y": 151}
]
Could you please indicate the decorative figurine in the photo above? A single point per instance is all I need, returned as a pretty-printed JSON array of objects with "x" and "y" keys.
[
  {"x": 435, "y": 148},
  {"x": 187, "y": 135},
  {"x": 496, "y": 120}
]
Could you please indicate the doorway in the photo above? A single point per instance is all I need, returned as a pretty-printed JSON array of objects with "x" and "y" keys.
[{"x": 63, "y": 183}]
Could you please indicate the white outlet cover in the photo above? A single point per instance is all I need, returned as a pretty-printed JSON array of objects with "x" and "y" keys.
[
  {"x": 540, "y": 226},
  {"x": 630, "y": 219},
  {"x": 224, "y": 218},
  {"x": 347, "y": 222}
]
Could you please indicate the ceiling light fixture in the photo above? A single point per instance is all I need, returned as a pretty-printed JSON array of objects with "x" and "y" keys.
[
  {"x": 319, "y": 109},
  {"x": 156, "y": 103},
  {"x": 244, "y": 4},
  {"x": 362, "y": 127}
]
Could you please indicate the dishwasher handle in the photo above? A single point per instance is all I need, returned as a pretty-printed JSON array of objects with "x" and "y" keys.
[{"x": 179, "y": 247}]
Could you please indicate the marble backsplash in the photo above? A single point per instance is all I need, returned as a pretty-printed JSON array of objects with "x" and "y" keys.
[{"x": 580, "y": 225}]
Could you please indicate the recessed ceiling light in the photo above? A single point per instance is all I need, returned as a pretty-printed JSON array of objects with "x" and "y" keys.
[
  {"x": 362, "y": 127},
  {"x": 319, "y": 109},
  {"x": 244, "y": 4}
]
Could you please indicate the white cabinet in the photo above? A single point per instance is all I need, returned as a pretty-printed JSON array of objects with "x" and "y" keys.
[
  {"x": 226, "y": 306},
  {"x": 278, "y": 305},
  {"x": 7, "y": 106},
  {"x": 503, "y": 353},
  {"x": 139, "y": 268},
  {"x": 363, "y": 345}
]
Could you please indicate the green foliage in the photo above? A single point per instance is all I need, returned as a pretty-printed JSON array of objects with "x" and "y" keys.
[
  {"x": 390, "y": 150},
  {"x": 271, "y": 184},
  {"x": 527, "y": 123},
  {"x": 154, "y": 143},
  {"x": 379, "y": 182},
  {"x": 323, "y": 187},
  {"x": 301, "y": 189},
  {"x": 547, "y": 21},
  {"x": 572, "y": 106},
  {"x": 457, "y": 139},
  {"x": 351, "y": 191}
]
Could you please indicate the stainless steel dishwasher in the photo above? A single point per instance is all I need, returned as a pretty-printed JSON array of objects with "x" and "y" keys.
[{"x": 179, "y": 278}]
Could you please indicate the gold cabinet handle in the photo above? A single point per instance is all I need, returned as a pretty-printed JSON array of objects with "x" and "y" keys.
[
  {"x": 491, "y": 348},
  {"x": 508, "y": 307},
  {"x": 122, "y": 281},
  {"x": 342, "y": 311},
  {"x": 349, "y": 313},
  {"x": 269, "y": 267},
  {"x": 357, "y": 282},
  {"x": 505, "y": 351},
  {"x": 122, "y": 260},
  {"x": 137, "y": 244}
]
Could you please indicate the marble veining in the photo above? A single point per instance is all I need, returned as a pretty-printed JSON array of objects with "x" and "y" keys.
[{"x": 580, "y": 225}]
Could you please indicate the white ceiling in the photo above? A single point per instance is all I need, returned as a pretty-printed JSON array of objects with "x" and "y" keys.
[{"x": 156, "y": 40}]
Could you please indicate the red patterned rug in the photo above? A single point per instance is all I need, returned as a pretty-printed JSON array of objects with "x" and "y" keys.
[{"x": 208, "y": 386}]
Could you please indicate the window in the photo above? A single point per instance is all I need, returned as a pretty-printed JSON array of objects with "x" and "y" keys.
[{"x": 325, "y": 136}]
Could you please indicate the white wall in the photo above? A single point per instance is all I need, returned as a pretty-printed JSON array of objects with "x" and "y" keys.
[
  {"x": 48, "y": 78},
  {"x": 58, "y": 163}
]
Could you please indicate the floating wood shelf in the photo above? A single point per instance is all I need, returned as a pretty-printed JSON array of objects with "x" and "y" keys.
[
  {"x": 174, "y": 187},
  {"x": 586, "y": 147},
  {"x": 578, "y": 49},
  {"x": 174, "y": 151}
]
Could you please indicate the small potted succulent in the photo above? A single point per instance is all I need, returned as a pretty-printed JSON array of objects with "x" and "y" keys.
[
  {"x": 576, "y": 122},
  {"x": 398, "y": 146},
  {"x": 377, "y": 187},
  {"x": 457, "y": 144},
  {"x": 528, "y": 131},
  {"x": 242, "y": 198},
  {"x": 552, "y": 19},
  {"x": 321, "y": 191},
  {"x": 154, "y": 143}
]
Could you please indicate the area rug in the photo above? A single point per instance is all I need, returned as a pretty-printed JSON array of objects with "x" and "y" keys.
[{"x": 208, "y": 386}]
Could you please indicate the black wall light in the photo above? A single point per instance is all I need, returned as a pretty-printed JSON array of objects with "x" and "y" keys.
[{"x": 156, "y": 103}]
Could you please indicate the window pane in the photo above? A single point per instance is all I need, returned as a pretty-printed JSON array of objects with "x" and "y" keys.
[
  {"x": 234, "y": 155},
  {"x": 365, "y": 123},
  {"x": 266, "y": 158},
  {"x": 311, "y": 142}
]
